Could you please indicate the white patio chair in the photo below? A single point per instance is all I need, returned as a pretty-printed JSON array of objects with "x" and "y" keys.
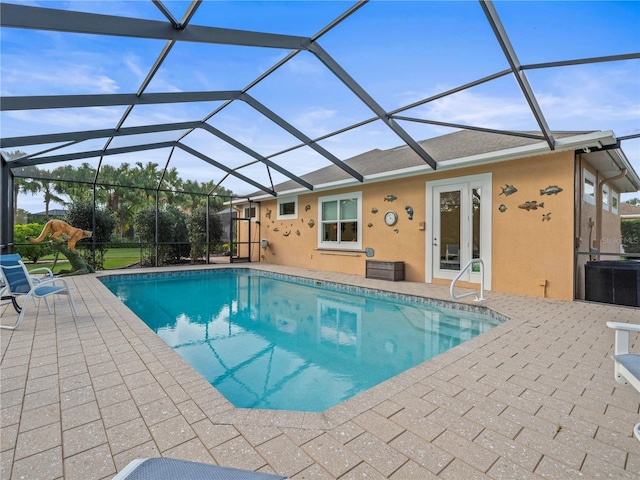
[
  {"x": 626, "y": 364},
  {"x": 19, "y": 283}
]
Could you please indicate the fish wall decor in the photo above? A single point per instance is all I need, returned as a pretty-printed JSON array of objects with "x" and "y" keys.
[
  {"x": 409, "y": 211},
  {"x": 502, "y": 208},
  {"x": 370, "y": 225},
  {"x": 287, "y": 233},
  {"x": 307, "y": 208},
  {"x": 311, "y": 223},
  {"x": 268, "y": 213},
  {"x": 546, "y": 216},
  {"x": 390, "y": 198},
  {"x": 532, "y": 205},
  {"x": 551, "y": 190},
  {"x": 508, "y": 190},
  {"x": 374, "y": 210}
]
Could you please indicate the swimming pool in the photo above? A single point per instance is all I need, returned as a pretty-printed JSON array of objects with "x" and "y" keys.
[{"x": 286, "y": 343}]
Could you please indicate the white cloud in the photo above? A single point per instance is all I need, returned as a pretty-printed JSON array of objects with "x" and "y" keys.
[
  {"x": 54, "y": 78},
  {"x": 305, "y": 65},
  {"x": 69, "y": 119}
]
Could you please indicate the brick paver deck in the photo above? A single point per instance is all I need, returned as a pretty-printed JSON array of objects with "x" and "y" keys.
[{"x": 533, "y": 398}]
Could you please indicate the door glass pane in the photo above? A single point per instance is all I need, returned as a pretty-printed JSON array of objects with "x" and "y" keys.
[
  {"x": 450, "y": 230},
  {"x": 475, "y": 227}
]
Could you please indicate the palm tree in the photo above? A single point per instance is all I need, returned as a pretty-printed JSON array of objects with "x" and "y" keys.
[
  {"x": 76, "y": 182},
  {"x": 50, "y": 189},
  {"x": 195, "y": 194},
  {"x": 22, "y": 185},
  {"x": 171, "y": 183},
  {"x": 21, "y": 182}
]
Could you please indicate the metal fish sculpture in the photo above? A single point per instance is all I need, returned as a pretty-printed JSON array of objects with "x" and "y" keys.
[
  {"x": 533, "y": 205},
  {"x": 508, "y": 190},
  {"x": 276, "y": 229},
  {"x": 307, "y": 208},
  {"x": 551, "y": 190},
  {"x": 396, "y": 230},
  {"x": 268, "y": 214},
  {"x": 287, "y": 233},
  {"x": 298, "y": 232},
  {"x": 311, "y": 223},
  {"x": 409, "y": 212},
  {"x": 369, "y": 225},
  {"x": 374, "y": 210},
  {"x": 546, "y": 216},
  {"x": 502, "y": 208},
  {"x": 390, "y": 198}
]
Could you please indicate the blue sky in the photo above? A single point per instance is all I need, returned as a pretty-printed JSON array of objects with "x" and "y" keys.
[{"x": 400, "y": 52}]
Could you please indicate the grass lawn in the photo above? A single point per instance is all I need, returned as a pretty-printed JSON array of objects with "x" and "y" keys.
[{"x": 114, "y": 258}]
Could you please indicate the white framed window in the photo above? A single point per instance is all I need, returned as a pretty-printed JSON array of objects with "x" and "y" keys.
[
  {"x": 615, "y": 199},
  {"x": 605, "y": 197},
  {"x": 287, "y": 208},
  {"x": 588, "y": 187},
  {"x": 340, "y": 222}
]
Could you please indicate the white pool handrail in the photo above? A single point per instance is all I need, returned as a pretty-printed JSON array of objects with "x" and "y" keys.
[{"x": 466, "y": 267}]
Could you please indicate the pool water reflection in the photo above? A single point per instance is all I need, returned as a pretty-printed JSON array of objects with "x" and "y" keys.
[{"x": 264, "y": 342}]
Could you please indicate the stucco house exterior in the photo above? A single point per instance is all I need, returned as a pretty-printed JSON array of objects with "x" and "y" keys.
[{"x": 534, "y": 216}]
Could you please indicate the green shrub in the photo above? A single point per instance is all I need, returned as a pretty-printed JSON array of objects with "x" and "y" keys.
[
  {"x": 93, "y": 250},
  {"x": 31, "y": 252},
  {"x": 198, "y": 232},
  {"x": 631, "y": 236},
  {"x": 172, "y": 235}
]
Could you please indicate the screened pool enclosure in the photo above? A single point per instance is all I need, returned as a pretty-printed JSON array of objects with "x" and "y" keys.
[{"x": 182, "y": 107}]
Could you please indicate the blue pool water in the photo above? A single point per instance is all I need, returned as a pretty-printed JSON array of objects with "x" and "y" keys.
[{"x": 270, "y": 341}]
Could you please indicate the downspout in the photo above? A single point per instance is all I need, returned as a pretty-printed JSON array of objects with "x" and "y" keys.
[
  {"x": 577, "y": 220},
  {"x": 601, "y": 183}
]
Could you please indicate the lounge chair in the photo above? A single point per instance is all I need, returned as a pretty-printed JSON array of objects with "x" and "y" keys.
[
  {"x": 45, "y": 272},
  {"x": 627, "y": 364},
  {"x": 18, "y": 282},
  {"x": 173, "y": 469}
]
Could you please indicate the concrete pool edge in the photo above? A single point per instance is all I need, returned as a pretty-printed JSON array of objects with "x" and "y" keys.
[{"x": 538, "y": 400}]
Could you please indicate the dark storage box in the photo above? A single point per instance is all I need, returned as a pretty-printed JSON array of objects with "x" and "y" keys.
[
  {"x": 385, "y": 270},
  {"x": 613, "y": 281}
]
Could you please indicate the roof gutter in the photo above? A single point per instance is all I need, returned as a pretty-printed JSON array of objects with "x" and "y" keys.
[{"x": 604, "y": 140}]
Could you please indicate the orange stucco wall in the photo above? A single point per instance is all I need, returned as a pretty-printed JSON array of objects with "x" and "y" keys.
[
  {"x": 532, "y": 256},
  {"x": 529, "y": 256}
]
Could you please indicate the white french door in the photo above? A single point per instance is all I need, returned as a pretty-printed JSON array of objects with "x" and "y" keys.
[{"x": 460, "y": 227}]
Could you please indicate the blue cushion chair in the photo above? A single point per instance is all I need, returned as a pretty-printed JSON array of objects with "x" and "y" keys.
[
  {"x": 18, "y": 282},
  {"x": 173, "y": 469}
]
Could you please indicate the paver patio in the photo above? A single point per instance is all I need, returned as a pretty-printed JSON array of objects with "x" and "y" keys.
[{"x": 533, "y": 398}]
